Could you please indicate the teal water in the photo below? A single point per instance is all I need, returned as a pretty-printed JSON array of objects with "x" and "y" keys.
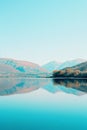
[{"x": 40, "y": 104}]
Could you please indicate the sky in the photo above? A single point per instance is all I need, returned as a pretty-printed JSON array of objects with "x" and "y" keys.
[{"x": 43, "y": 30}]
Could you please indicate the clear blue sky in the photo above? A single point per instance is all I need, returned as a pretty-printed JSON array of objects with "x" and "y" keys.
[{"x": 43, "y": 30}]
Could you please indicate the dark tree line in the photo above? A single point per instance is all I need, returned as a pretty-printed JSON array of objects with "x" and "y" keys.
[{"x": 70, "y": 73}]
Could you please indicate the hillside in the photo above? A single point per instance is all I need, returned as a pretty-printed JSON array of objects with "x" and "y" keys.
[
  {"x": 81, "y": 67},
  {"x": 78, "y": 71},
  {"x": 11, "y": 65}
]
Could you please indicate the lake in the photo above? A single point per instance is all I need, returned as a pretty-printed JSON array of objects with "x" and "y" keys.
[{"x": 43, "y": 104}]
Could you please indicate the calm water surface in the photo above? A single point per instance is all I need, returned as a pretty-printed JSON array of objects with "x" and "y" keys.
[{"x": 43, "y": 104}]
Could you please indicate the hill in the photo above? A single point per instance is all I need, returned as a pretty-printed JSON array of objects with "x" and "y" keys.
[
  {"x": 81, "y": 67},
  {"x": 78, "y": 71},
  {"x": 17, "y": 66}
]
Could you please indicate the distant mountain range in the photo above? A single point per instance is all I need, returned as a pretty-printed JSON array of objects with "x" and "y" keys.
[
  {"x": 65, "y": 72},
  {"x": 51, "y": 66},
  {"x": 11, "y": 67}
]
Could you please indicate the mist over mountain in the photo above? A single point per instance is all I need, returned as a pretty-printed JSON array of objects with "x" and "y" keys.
[
  {"x": 71, "y": 63},
  {"x": 51, "y": 66}
]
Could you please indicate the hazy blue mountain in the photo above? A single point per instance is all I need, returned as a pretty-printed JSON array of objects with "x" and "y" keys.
[
  {"x": 70, "y": 63},
  {"x": 51, "y": 66},
  {"x": 11, "y": 65}
]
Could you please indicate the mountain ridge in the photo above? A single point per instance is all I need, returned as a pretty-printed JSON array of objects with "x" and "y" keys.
[{"x": 53, "y": 65}]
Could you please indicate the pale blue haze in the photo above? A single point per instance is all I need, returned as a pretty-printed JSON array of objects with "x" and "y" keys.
[{"x": 43, "y": 30}]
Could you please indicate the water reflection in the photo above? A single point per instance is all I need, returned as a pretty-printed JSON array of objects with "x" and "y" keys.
[
  {"x": 78, "y": 84},
  {"x": 9, "y": 86},
  {"x": 13, "y": 86}
]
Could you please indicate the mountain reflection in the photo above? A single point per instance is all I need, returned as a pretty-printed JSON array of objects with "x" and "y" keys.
[
  {"x": 9, "y": 86},
  {"x": 78, "y": 84},
  {"x": 13, "y": 86}
]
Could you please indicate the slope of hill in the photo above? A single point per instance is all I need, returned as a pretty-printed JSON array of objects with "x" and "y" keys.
[
  {"x": 11, "y": 65},
  {"x": 81, "y": 67},
  {"x": 78, "y": 71},
  {"x": 6, "y": 69}
]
